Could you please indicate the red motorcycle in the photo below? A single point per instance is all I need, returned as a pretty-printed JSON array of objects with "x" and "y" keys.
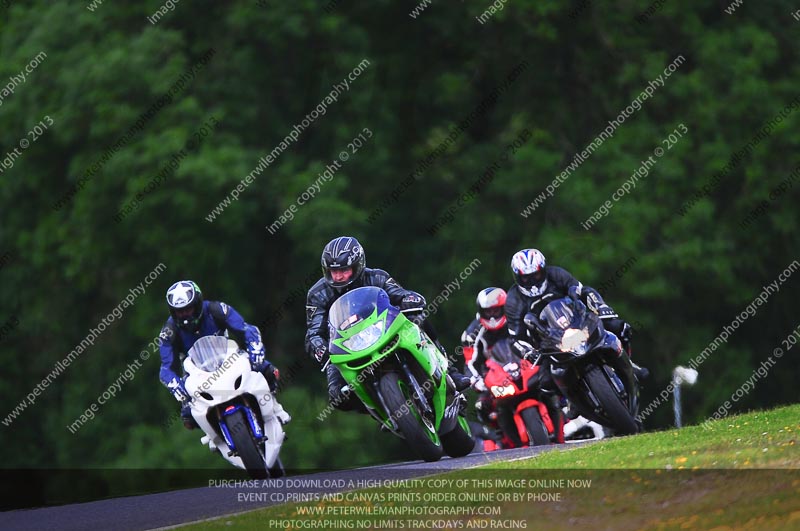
[{"x": 510, "y": 380}]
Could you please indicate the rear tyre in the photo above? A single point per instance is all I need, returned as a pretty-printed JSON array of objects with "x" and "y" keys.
[
  {"x": 418, "y": 430},
  {"x": 618, "y": 415},
  {"x": 246, "y": 446},
  {"x": 537, "y": 433},
  {"x": 458, "y": 442}
]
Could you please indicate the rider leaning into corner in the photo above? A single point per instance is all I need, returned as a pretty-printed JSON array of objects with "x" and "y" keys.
[
  {"x": 490, "y": 327},
  {"x": 482, "y": 334},
  {"x": 344, "y": 269},
  {"x": 537, "y": 285},
  {"x": 192, "y": 318},
  {"x": 488, "y": 335}
]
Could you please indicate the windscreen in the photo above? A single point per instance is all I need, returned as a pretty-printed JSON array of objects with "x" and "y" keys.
[
  {"x": 355, "y": 306},
  {"x": 564, "y": 314},
  {"x": 558, "y": 314},
  {"x": 209, "y": 352}
]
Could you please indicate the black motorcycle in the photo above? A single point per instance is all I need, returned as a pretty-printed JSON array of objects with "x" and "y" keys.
[{"x": 588, "y": 364}]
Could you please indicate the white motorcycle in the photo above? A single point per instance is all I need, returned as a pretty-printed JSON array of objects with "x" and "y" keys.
[{"x": 235, "y": 407}]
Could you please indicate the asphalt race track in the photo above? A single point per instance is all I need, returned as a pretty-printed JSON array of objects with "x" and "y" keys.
[{"x": 173, "y": 508}]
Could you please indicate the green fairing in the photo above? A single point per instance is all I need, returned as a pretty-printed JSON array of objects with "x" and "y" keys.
[{"x": 412, "y": 339}]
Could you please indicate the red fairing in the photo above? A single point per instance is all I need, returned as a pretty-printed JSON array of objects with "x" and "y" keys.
[{"x": 498, "y": 377}]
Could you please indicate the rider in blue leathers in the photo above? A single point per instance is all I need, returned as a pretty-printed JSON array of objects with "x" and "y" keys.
[{"x": 192, "y": 318}]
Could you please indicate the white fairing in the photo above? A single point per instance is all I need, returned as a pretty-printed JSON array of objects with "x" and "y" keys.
[{"x": 220, "y": 386}]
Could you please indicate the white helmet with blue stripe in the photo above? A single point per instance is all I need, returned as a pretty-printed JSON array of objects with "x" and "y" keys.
[{"x": 528, "y": 266}]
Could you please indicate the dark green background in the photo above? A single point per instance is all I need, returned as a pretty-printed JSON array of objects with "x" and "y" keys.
[{"x": 274, "y": 63}]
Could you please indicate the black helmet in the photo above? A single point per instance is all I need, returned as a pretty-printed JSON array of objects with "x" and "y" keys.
[
  {"x": 340, "y": 253},
  {"x": 185, "y": 302}
]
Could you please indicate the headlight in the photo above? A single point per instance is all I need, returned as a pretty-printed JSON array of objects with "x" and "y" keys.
[
  {"x": 499, "y": 390},
  {"x": 366, "y": 338},
  {"x": 575, "y": 340}
]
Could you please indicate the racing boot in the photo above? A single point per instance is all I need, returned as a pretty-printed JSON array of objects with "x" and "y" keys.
[
  {"x": 186, "y": 416},
  {"x": 281, "y": 414},
  {"x": 339, "y": 393},
  {"x": 553, "y": 404},
  {"x": 461, "y": 381},
  {"x": 641, "y": 373}
]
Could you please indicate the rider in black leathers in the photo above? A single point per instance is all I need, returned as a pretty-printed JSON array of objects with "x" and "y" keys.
[
  {"x": 344, "y": 268},
  {"x": 536, "y": 286}
]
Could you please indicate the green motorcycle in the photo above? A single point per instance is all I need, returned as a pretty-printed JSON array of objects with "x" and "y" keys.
[{"x": 398, "y": 373}]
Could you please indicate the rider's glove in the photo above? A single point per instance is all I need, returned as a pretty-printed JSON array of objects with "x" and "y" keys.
[
  {"x": 529, "y": 352},
  {"x": 478, "y": 383},
  {"x": 606, "y": 312},
  {"x": 412, "y": 301},
  {"x": 531, "y": 355},
  {"x": 256, "y": 351},
  {"x": 574, "y": 292},
  {"x": 596, "y": 303},
  {"x": 272, "y": 374},
  {"x": 320, "y": 354},
  {"x": 524, "y": 349},
  {"x": 467, "y": 338},
  {"x": 178, "y": 390},
  {"x": 318, "y": 349}
]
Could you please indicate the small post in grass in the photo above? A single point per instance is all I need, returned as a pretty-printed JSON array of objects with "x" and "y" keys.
[{"x": 681, "y": 375}]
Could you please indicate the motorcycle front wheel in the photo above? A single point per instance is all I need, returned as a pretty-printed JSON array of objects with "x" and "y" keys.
[
  {"x": 619, "y": 418},
  {"x": 419, "y": 431},
  {"x": 246, "y": 446},
  {"x": 458, "y": 442},
  {"x": 537, "y": 433}
]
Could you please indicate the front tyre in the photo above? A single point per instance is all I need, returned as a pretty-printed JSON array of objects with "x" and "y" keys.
[
  {"x": 458, "y": 442},
  {"x": 277, "y": 470},
  {"x": 537, "y": 433},
  {"x": 246, "y": 446},
  {"x": 617, "y": 413},
  {"x": 418, "y": 430}
]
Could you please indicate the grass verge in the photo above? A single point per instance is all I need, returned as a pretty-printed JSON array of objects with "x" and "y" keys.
[{"x": 742, "y": 472}]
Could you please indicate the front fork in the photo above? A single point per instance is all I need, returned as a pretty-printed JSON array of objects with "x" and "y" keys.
[
  {"x": 568, "y": 378},
  {"x": 455, "y": 407},
  {"x": 252, "y": 420},
  {"x": 624, "y": 371}
]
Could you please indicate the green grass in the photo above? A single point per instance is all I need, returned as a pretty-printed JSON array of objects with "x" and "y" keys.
[
  {"x": 742, "y": 472},
  {"x": 764, "y": 439}
]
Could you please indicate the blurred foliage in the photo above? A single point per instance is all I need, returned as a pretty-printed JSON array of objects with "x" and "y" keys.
[{"x": 274, "y": 63}]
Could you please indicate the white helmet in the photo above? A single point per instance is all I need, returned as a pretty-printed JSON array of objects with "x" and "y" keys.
[
  {"x": 491, "y": 308},
  {"x": 529, "y": 272}
]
